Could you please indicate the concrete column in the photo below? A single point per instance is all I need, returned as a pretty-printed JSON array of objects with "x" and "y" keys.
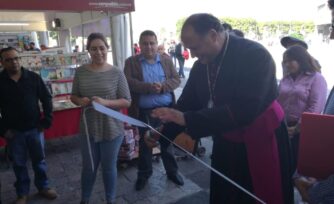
[
  {"x": 35, "y": 39},
  {"x": 43, "y": 38},
  {"x": 64, "y": 40},
  {"x": 120, "y": 39}
]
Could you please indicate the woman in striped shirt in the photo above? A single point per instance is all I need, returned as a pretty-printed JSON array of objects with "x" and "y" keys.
[{"x": 100, "y": 135}]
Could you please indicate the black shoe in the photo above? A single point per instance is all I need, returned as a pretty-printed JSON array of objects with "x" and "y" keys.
[
  {"x": 140, "y": 183},
  {"x": 176, "y": 178}
]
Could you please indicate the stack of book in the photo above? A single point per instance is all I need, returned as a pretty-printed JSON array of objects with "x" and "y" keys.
[{"x": 129, "y": 146}]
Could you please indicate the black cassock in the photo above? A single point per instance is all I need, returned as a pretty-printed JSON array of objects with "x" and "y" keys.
[{"x": 245, "y": 87}]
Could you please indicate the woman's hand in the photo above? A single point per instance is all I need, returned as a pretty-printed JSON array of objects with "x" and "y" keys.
[
  {"x": 293, "y": 130},
  {"x": 100, "y": 100},
  {"x": 84, "y": 101}
]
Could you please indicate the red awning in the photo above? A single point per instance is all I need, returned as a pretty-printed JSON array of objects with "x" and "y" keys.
[{"x": 70, "y": 5}]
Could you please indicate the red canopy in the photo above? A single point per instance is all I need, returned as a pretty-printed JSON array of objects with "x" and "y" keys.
[{"x": 70, "y": 5}]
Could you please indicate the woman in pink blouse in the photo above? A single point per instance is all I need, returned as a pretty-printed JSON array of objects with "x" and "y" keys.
[{"x": 303, "y": 89}]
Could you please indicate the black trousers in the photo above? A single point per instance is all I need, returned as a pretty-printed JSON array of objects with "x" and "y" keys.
[
  {"x": 145, "y": 153},
  {"x": 294, "y": 142},
  {"x": 181, "y": 61}
]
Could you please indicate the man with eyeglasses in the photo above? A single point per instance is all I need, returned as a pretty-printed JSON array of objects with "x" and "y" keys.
[
  {"x": 21, "y": 123},
  {"x": 152, "y": 79}
]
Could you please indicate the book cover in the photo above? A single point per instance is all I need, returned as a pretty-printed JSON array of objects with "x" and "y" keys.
[
  {"x": 61, "y": 60},
  {"x": 68, "y": 73},
  {"x": 48, "y": 74},
  {"x": 52, "y": 74},
  {"x": 49, "y": 61},
  {"x": 24, "y": 62},
  {"x": 82, "y": 58},
  {"x": 36, "y": 61},
  {"x": 60, "y": 73},
  {"x": 59, "y": 88},
  {"x": 69, "y": 87},
  {"x": 68, "y": 60},
  {"x": 63, "y": 104}
]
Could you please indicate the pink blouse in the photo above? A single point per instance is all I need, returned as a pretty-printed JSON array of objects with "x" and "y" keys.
[{"x": 306, "y": 93}]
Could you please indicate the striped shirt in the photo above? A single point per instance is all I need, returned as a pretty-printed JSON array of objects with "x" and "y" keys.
[{"x": 110, "y": 84}]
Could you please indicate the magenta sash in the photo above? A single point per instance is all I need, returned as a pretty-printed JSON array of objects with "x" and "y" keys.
[{"x": 262, "y": 153}]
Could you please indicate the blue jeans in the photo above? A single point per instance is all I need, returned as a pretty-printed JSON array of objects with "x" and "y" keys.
[
  {"x": 106, "y": 153},
  {"x": 22, "y": 143}
]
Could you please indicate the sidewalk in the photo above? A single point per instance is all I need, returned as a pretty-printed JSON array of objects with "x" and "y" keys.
[{"x": 64, "y": 167}]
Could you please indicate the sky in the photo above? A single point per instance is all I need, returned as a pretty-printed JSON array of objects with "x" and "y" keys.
[{"x": 157, "y": 14}]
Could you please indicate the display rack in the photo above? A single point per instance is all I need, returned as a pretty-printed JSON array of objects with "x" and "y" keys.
[
  {"x": 57, "y": 71},
  {"x": 14, "y": 40}
]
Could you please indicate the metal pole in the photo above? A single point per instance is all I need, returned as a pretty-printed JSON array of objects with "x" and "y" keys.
[
  {"x": 131, "y": 33},
  {"x": 82, "y": 33},
  {"x": 113, "y": 41}
]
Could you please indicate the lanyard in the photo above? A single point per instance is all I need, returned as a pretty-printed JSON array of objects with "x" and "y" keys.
[{"x": 212, "y": 84}]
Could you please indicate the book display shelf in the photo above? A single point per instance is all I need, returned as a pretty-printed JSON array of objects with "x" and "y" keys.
[
  {"x": 14, "y": 40},
  {"x": 57, "y": 71}
]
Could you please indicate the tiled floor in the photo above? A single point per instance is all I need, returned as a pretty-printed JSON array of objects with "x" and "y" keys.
[{"x": 64, "y": 166}]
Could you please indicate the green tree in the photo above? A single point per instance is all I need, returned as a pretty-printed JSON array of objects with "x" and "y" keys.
[
  {"x": 263, "y": 29},
  {"x": 244, "y": 24},
  {"x": 54, "y": 35},
  {"x": 179, "y": 25}
]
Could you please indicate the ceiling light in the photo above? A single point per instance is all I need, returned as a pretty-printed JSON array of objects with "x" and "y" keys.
[{"x": 14, "y": 24}]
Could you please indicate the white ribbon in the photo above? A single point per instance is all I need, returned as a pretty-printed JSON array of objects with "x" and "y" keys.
[
  {"x": 124, "y": 118},
  {"x": 88, "y": 138}
]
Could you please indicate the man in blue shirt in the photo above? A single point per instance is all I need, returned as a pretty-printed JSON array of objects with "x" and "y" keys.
[{"x": 152, "y": 79}]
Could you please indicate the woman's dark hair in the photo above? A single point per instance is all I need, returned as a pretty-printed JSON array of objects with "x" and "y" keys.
[
  {"x": 203, "y": 23},
  {"x": 305, "y": 60},
  {"x": 94, "y": 36}
]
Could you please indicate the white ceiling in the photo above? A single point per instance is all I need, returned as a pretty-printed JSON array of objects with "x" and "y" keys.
[
  {"x": 36, "y": 20},
  {"x": 41, "y": 21}
]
